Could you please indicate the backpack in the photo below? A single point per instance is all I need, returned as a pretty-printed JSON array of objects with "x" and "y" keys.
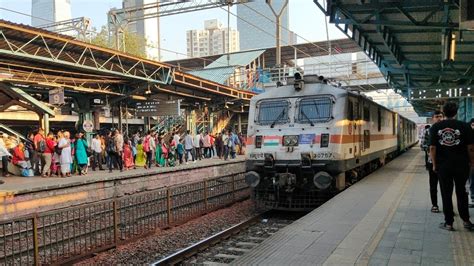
[
  {"x": 110, "y": 145},
  {"x": 57, "y": 150},
  {"x": 146, "y": 144},
  {"x": 41, "y": 146}
]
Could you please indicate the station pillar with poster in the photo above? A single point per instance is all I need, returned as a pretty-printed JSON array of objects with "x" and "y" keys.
[{"x": 466, "y": 109}]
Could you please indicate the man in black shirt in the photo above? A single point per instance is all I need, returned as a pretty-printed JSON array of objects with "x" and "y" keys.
[
  {"x": 437, "y": 116},
  {"x": 451, "y": 152},
  {"x": 471, "y": 175}
]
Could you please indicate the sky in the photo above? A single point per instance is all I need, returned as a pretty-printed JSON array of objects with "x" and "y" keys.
[{"x": 305, "y": 19}]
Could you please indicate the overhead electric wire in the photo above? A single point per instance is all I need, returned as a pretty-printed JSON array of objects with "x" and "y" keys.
[
  {"x": 283, "y": 27},
  {"x": 268, "y": 33},
  {"x": 329, "y": 51},
  {"x": 47, "y": 20},
  {"x": 201, "y": 58}
]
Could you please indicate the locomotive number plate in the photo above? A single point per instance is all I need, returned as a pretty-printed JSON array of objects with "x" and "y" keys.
[{"x": 324, "y": 155}]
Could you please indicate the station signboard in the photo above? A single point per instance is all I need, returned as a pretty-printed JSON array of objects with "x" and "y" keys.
[
  {"x": 88, "y": 126},
  {"x": 158, "y": 108},
  {"x": 56, "y": 96}
]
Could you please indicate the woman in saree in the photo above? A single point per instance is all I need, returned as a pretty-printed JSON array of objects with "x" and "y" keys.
[{"x": 128, "y": 155}]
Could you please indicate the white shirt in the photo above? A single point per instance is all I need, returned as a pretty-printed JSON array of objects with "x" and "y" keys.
[
  {"x": 188, "y": 142},
  {"x": 197, "y": 141},
  {"x": 152, "y": 144},
  {"x": 3, "y": 149},
  {"x": 96, "y": 145},
  {"x": 176, "y": 138}
]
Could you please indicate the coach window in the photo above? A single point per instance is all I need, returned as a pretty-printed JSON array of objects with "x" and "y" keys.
[
  {"x": 350, "y": 111},
  {"x": 379, "y": 119},
  {"x": 393, "y": 124},
  {"x": 271, "y": 112},
  {"x": 314, "y": 110},
  {"x": 367, "y": 113}
]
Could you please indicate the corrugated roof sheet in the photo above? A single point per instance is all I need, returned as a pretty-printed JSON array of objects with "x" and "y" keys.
[
  {"x": 236, "y": 59},
  {"x": 219, "y": 71},
  {"x": 218, "y": 74}
]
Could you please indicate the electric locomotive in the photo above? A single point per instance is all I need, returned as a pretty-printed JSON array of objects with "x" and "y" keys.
[{"x": 308, "y": 139}]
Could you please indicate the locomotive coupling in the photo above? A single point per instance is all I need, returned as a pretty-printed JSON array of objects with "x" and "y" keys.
[
  {"x": 322, "y": 180},
  {"x": 252, "y": 179}
]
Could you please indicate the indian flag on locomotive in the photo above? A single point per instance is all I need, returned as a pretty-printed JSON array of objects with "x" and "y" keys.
[{"x": 271, "y": 141}]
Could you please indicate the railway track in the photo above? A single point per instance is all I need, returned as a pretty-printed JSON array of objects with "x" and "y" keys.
[{"x": 229, "y": 244}]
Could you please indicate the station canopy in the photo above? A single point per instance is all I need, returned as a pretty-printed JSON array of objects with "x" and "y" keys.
[{"x": 418, "y": 45}]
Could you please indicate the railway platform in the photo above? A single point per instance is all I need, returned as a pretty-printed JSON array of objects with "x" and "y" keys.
[
  {"x": 384, "y": 219},
  {"x": 21, "y": 196}
]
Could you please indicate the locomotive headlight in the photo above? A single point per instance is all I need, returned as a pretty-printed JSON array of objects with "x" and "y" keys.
[
  {"x": 322, "y": 180},
  {"x": 290, "y": 140},
  {"x": 252, "y": 179}
]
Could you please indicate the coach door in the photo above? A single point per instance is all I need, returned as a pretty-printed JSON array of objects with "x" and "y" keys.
[
  {"x": 359, "y": 130},
  {"x": 355, "y": 127}
]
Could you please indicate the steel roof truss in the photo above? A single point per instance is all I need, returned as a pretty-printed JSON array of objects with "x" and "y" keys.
[{"x": 87, "y": 58}]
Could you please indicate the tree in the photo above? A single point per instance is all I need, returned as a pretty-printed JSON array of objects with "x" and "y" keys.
[
  {"x": 101, "y": 38},
  {"x": 129, "y": 42}
]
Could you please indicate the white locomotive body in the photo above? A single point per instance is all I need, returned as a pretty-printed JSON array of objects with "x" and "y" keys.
[{"x": 308, "y": 138}]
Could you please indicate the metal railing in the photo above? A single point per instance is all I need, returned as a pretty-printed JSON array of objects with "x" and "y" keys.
[{"x": 66, "y": 235}]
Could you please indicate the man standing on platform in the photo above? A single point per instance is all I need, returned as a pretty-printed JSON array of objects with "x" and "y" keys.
[
  {"x": 5, "y": 156},
  {"x": 40, "y": 147},
  {"x": 471, "y": 175},
  {"x": 118, "y": 139},
  {"x": 437, "y": 116},
  {"x": 451, "y": 152},
  {"x": 197, "y": 145},
  {"x": 188, "y": 147},
  {"x": 96, "y": 150},
  {"x": 176, "y": 137}
]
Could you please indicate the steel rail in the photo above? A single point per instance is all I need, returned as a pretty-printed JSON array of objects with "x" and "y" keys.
[{"x": 185, "y": 253}]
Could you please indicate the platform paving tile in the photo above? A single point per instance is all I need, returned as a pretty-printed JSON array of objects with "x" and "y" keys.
[
  {"x": 427, "y": 261},
  {"x": 420, "y": 241},
  {"x": 378, "y": 262},
  {"x": 411, "y": 244},
  {"x": 407, "y": 234}
]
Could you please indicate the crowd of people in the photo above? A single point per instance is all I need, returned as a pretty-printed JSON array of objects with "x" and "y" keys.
[
  {"x": 449, "y": 158},
  {"x": 63, "y": 155}
]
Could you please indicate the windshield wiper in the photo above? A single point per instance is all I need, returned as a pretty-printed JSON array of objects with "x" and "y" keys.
[
  {"x": 278, "y": 118},
  {"x": 317, "y": 108},
  {"x": 307, "y": 118}
]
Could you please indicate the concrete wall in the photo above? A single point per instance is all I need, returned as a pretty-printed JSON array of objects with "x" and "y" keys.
[{"x": 26, "y": 201}]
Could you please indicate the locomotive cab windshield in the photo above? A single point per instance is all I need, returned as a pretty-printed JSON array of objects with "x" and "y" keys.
[{"x": 272, "y": 112}]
